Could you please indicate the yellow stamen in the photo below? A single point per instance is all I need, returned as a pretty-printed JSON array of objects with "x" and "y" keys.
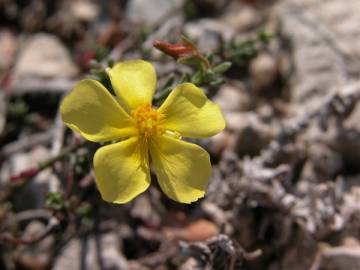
[{"x": 147, "y": 121}]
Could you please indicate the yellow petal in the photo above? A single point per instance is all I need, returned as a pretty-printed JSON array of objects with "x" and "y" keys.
[
  {"x": 183, "y": 169},
  {"x": 134, "y": 82},
  {"x": 93, "y": 112},
  {"x": 188, "y": 111},
  {"x": 122, "y": 170}
]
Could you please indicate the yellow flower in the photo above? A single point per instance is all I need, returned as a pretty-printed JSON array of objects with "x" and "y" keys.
[{"x": 122, "y": 169}]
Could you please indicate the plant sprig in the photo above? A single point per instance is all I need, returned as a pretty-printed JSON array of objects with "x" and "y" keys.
[{"x": 206, "y": 73}]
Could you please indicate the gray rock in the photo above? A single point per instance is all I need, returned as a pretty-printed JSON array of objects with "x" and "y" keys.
[
  {"x": 347, "y": 140},
  {"x": 250, "y": 132},
  {"x": 240, "y": 17},
  {"x": 32, "y": 195},
  {"x": 266, "y": 112},
  {"x": 35, "y": 256},
  {"x": 324, "y": 47},
  {"x": 263, "y": 71},
  {"x": 343, "y": 134},
  {"x": 152, "y": 12},
  {"x": 233, "y": 98},
  {"x": 143, "y": 210},
  {"x": 106, "y": 246},
  {"x": 220, "y": 142},
  {"x": 234, "y": 121},
  {"x": 237, "y": 18},
  {"x": 341, "y": 258},
  {"x": 207, "y": 32},
  {"x": 324, "y": 54},
  {"x": 84, "y": 10},
  {"x": 189, "y": 264},
  {"x": 323, "y": 163},
  {"x": 44, "y": 56},
  {"x": 70, "y": 256},
  {"x": 8, "y": 47}
]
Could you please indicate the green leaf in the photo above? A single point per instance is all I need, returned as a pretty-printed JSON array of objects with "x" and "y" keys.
[
  {"x": 264, "y": 36},
  {"x": 221, "y": 68},
  {"x": 217, "y": 82},
  {"x": 185, "y": 78},
  {"x": 101, "y": 53},
  {"x": 54, "y": 200},
  {"x": 18, "y": 108},
  {"x": 197, "y": 78},
  {"x": 84, "y": 209}
]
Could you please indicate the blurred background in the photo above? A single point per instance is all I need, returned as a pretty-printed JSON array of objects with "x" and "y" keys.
[{"x": 285, "y": 188}]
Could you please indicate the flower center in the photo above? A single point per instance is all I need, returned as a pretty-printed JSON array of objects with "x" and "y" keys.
[{"x": 147, "y": 121}]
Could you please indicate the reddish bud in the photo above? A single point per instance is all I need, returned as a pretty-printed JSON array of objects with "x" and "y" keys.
[
  {"x": 183, "y": 50},
  {"x": 174, "y": 50},
  {"x": 25, "y": 174}
]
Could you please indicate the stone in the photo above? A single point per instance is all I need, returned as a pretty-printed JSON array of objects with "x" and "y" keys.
[
  {"x": 347, "y": 140},
  {"x": 143, "y": 210},
  {"x": 341, "y": 258},
  {"x": 32, "y": 195},
  {"x": 207, "y": 32},
  {"x": 8, "y": 47},
  {"x": 235, "y": 121},
  {"x": 266, "y": 112},
  {"x": 84, "y": 10},
  {"x": 220, "y": 142},
  {"x": 33, "y": 230},
  {"x": 250, "y": 132},
  {"x": 152, "y": 12},
  {"x": 322, "y": 163},
  {"x": 233, "y": 98},
  {"x": 263, "y": 71},
  {"x": 107, "y": 246},
  {"x": 189, "y": 264},
  {"x": 325, "y": 54},
  {"x": 69, "y": 256},
  {"x": 240, "y": 17},
  {"x": 252, "y": 139},
  {"x": 36, "y": 256},
  {"x": 44, "y": 56},
  {"x": 112, "y": 257},
  {"x": 325, "y": 61},
  {"x": 236, "y": 19}
]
